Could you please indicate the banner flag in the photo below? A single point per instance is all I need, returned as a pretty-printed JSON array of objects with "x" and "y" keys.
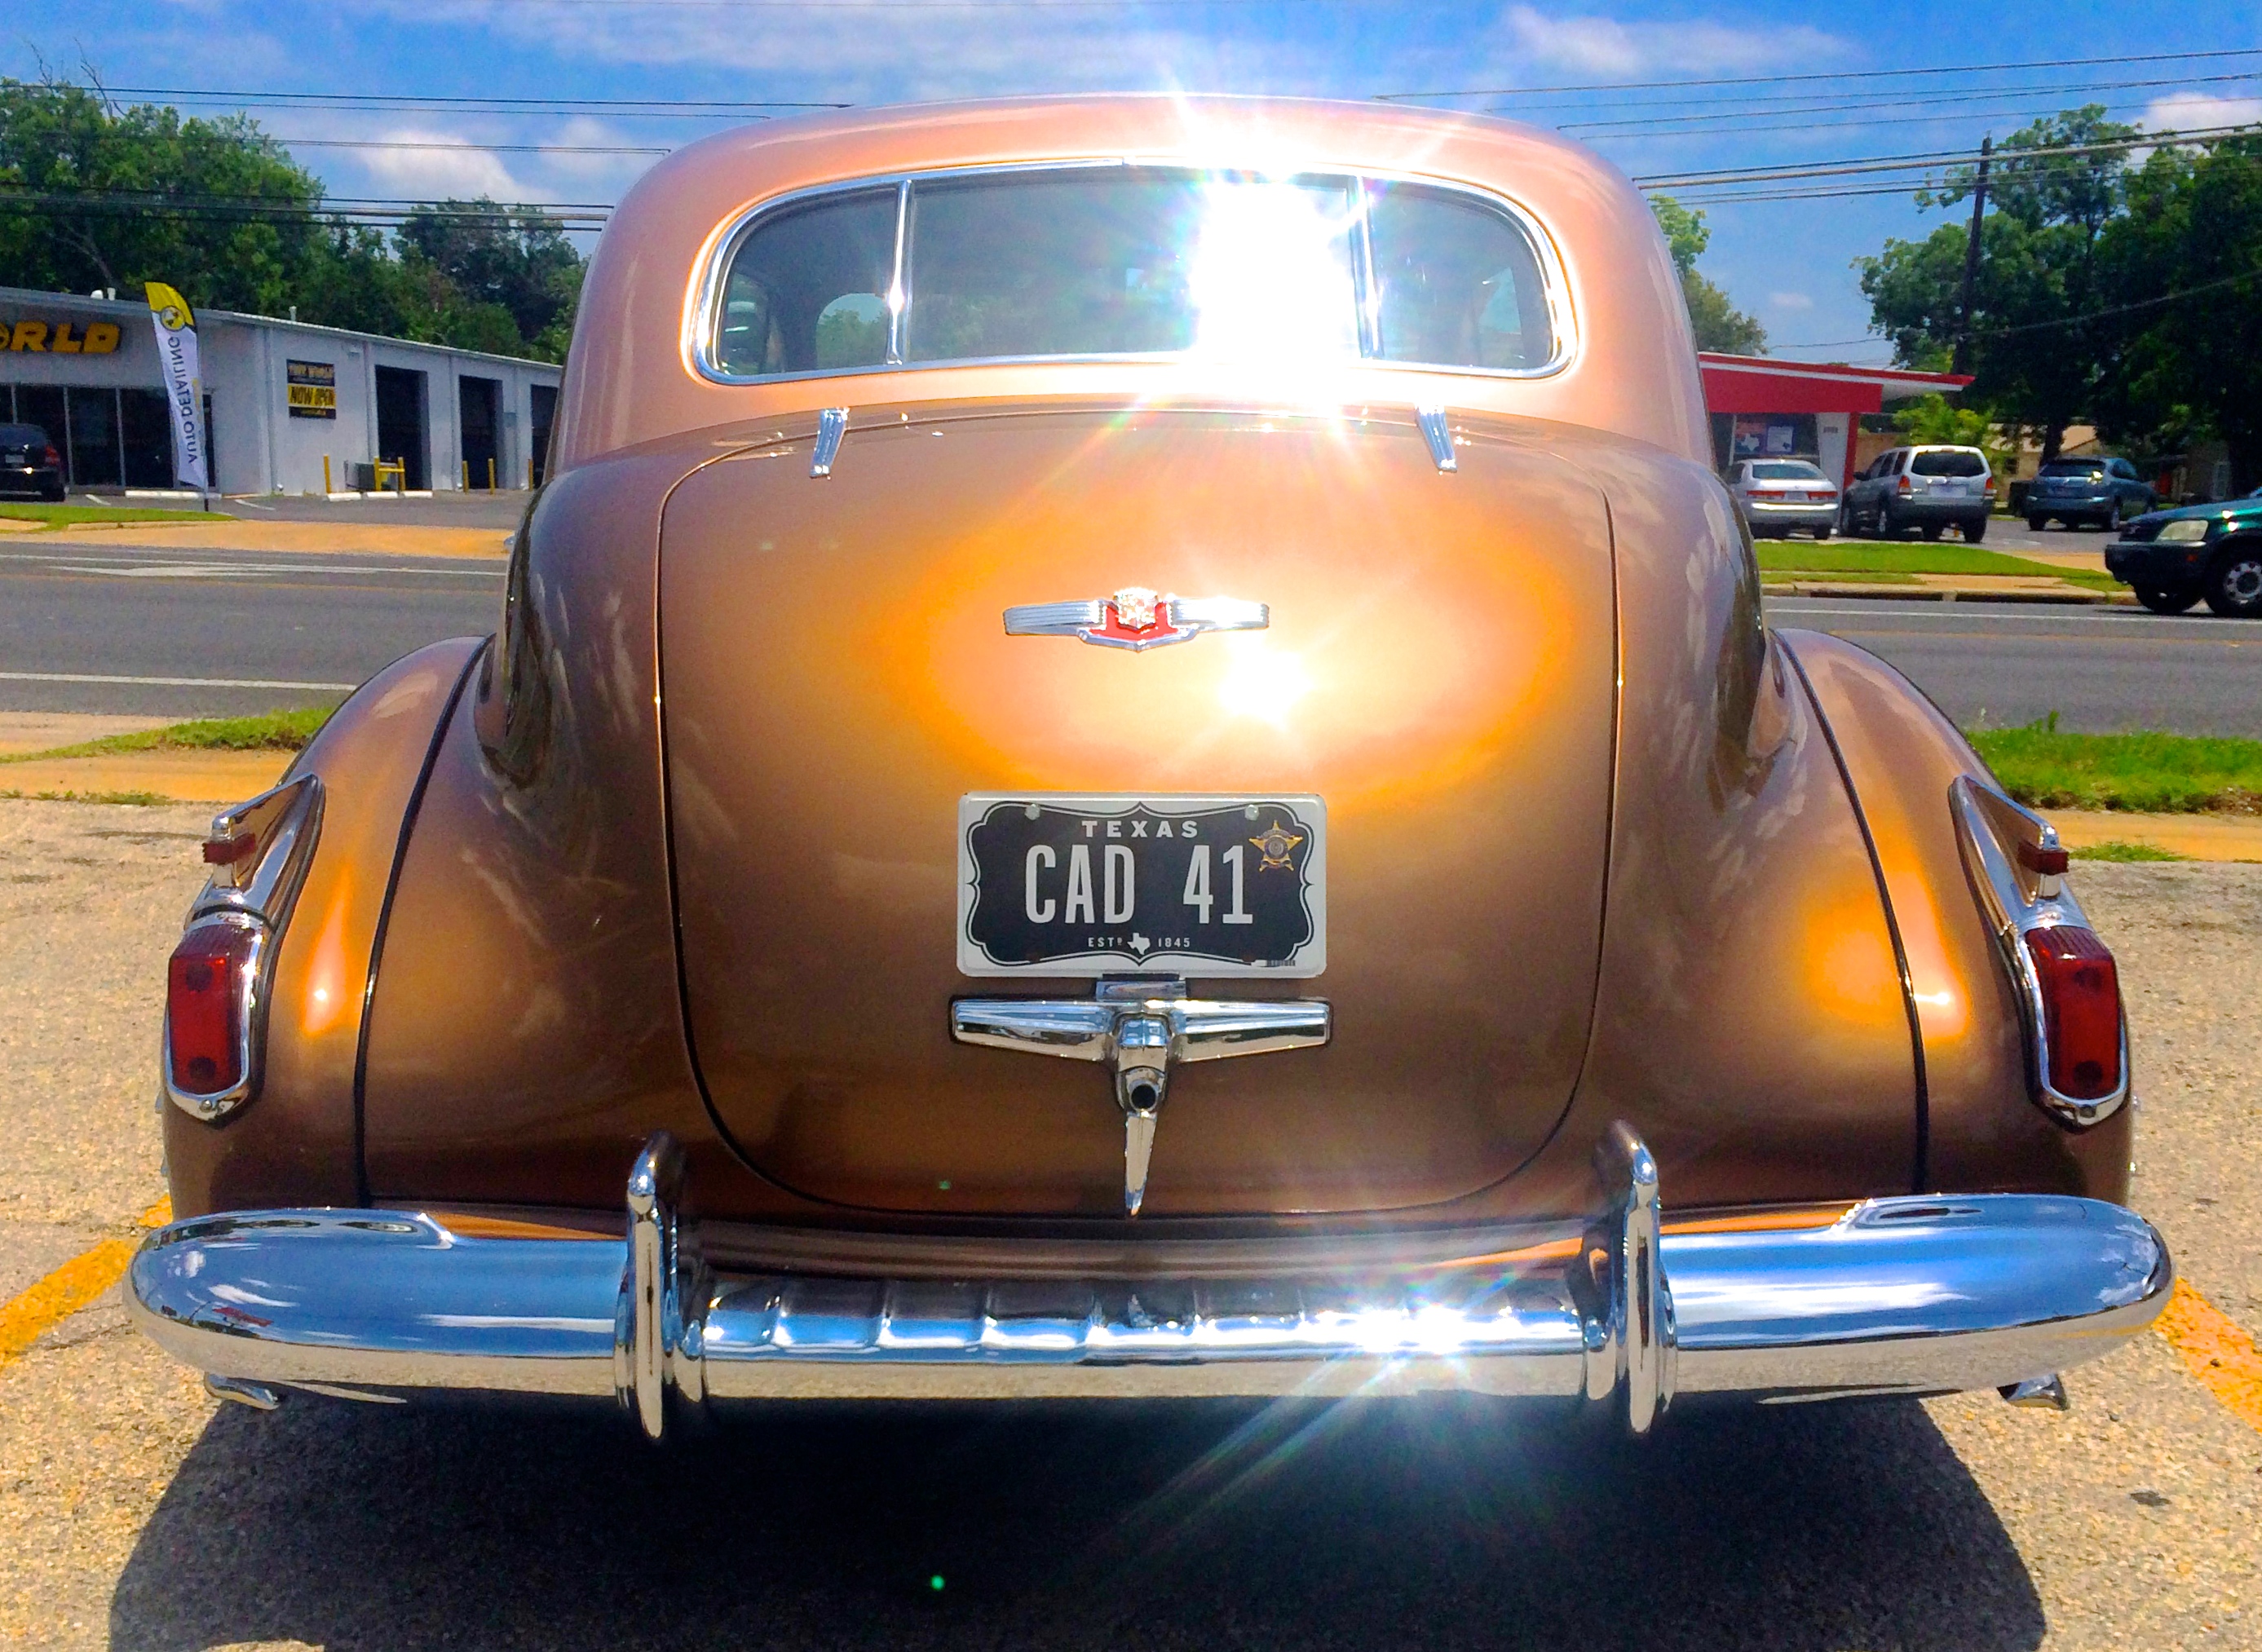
[{"x": 185, "y": 394}]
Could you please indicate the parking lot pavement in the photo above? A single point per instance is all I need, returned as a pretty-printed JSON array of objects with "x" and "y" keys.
[{"x": 134, "y": 1512}]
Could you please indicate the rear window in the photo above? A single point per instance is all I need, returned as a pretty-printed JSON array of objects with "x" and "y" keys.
[
  {"x": 1948, "y": 461},
  {"x": 1116, "y": 261},
  {"x": 22, "y": 435},
  {"x": 1787, "y": 471},
  {"x": 2089, "y": 470}
]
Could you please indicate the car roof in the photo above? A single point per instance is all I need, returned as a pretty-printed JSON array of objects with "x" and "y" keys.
[{"x": 631, "y": 377}]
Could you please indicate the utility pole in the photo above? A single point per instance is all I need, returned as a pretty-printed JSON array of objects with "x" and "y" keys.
[{"x": 1962, "y": 361}]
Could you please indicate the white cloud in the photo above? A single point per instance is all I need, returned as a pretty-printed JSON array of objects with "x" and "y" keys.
[
  {"x": 1594, "y": 45},
  {"x": 2195, "y": 112},
  {"x": 428, "y": 173},
  {"x": 1790, "y": 301},
  {"x": 895, "y": 53}
]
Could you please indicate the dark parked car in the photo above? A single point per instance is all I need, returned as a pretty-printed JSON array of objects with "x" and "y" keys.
[
  {"x": 2087, "y": 492},
  {"x": 29, "y": 463},
  {"x": 2174, "y": 558},
  {"x": 1929, "y": 487}
]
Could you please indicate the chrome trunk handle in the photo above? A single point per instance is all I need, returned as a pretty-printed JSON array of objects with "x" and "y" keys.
[{"x": 1140, "y": 1026}]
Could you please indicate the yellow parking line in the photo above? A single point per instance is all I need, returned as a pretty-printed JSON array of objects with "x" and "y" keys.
[
  {"x": 25, "y": 1319},
  {"x": 2217, "y": 1350}
]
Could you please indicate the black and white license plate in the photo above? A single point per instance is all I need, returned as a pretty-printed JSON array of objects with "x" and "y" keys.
[{"x": 1058, "y": 885}]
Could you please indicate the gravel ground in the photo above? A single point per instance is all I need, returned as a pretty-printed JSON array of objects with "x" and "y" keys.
[
  {"x": 136, "y": 1513},
  {"x": 89, "y": 906}
]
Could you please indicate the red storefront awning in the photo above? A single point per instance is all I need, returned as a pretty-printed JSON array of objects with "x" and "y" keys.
[{"x": 1761, "y": 384}]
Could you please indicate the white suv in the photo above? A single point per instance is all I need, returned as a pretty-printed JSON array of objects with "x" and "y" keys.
[{"x": 1927, "y": 487}]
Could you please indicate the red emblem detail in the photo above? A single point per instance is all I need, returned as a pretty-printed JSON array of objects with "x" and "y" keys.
[{"x": 1136, "y": 615}]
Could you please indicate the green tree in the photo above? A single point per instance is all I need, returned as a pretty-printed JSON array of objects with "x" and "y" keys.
[
  {"x": 513, "y": 260},
  {"x": 2036, "y": 357},
  {"x": 1934, "y": 418},
  {"x": 1717, "y": 323},
  {"x": 2186, "y": 259},
  {"x": 92, "y": 195}
]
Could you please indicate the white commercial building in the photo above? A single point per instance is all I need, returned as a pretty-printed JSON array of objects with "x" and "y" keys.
[{"x": 281, "y": 398}]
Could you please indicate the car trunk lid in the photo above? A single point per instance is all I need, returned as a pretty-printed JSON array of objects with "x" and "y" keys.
[{"x": 1432, "y": 687}]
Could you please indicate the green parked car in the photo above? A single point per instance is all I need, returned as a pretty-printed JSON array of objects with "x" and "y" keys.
[{"x": 2175, "y": 557}]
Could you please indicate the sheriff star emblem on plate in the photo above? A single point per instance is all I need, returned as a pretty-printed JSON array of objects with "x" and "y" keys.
[{"x": 1275, "y": 843}]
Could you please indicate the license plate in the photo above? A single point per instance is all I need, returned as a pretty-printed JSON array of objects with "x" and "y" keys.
[{"x": 1098, "y": 884}]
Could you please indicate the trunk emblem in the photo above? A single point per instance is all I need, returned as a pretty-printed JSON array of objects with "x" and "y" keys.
[{"x": 1137, "y": 619}]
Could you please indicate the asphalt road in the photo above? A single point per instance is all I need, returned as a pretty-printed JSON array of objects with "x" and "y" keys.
[
  {"x": 96, "y": 627},
  {"x": 2101, "y": 669},
  {"x": 137, "y": 1513}
]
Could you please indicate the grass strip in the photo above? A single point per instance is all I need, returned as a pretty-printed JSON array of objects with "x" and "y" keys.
[
  {"x": 2123, "y": 850},
  {"x": 2046, "y": 768},
  {"x": 139, "y": 799},
  {"x": 1820, "y": 557},
  {"x": 1857, "y": 576},
  {"x": 269, "y": 732},
  {"x": 100, "y": 516}
]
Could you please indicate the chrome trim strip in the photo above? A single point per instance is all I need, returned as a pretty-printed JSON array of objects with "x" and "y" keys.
[
  {"x": 256, "y": 894},
  {"x": 899, "y": 297},
  {"x": 832, "y": 425},
  {"x": 285, "y": 822},
  {"x": 703, "y": 311},
  {"x": 1902, "y": 1295},
  {"x": 1990, "y": 829},
  {"x": 1439, "y": 437}
]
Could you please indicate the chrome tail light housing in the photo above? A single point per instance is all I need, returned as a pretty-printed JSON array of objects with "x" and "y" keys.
[
  {"x": 2067, "y": 985},
  {"x": 217, "y": 980}
]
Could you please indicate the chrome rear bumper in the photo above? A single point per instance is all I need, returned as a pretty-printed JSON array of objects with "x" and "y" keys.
[{"x": 1897, "y": 1296}]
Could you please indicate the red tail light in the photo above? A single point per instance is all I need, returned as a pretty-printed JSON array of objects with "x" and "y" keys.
[
  {"x": 1906, "y": 486},
  {"x": 49, "y": 456},
  {"x": 204, "y": 1008},
  {"x": 2081, "y": 1010}
]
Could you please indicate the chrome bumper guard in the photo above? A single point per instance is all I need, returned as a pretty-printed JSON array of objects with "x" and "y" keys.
[{"x": 1905, "y": 1295}]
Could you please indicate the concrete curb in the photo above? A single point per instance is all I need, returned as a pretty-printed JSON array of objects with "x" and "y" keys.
[{"x": 2071, "y": 595}]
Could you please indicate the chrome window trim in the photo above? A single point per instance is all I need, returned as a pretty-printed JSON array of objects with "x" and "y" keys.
[{"x": 702, "y": 317}]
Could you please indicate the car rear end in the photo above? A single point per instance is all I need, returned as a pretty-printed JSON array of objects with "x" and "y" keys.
[
  {"x": 30, "y": 463},
  {"x": 2072, "y": 491},
  {"x": 1785, "y": 496},
  {"x": 1107, "y": 892},
  {"x": 1944, "y": 486}
]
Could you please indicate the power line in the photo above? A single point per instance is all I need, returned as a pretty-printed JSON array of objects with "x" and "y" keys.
[
  {"x": 1770, "y": 107},
  {"x": 472, "y": 145},
  {"x": 460, "y": 104},
  {"x": 1930, "y": 159},
  {"x": 1833, "y": 74}
]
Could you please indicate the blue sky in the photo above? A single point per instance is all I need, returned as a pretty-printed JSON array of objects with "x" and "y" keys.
[{"x": 1785, "y": 261}]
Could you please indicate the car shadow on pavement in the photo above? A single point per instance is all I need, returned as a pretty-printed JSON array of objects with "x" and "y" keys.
[{"x": 1129, "y": 1525}]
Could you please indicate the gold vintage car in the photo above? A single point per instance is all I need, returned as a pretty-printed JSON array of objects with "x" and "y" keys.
[{"x": 1134, "y": 753}]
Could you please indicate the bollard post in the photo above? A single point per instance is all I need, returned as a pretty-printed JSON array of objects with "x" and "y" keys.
[
  {"x": 326, "y": 488},
  {"x": 467, "y": 475},
  {"x": 491, "y": 480}
]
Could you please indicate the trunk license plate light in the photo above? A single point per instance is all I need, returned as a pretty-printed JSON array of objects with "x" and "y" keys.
[{"x": 1091, "y": 884}]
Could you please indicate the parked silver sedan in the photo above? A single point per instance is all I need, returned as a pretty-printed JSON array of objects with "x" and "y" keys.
[{"x": 1784, "y": 496}]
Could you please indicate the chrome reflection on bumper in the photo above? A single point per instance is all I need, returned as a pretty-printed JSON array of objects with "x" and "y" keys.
[{"x": 1907, "y": 1295}]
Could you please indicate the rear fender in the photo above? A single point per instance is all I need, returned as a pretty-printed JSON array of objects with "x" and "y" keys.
[
  {"x": 1983, "y": 1132},
  {"x": 295, "y": 1142}
]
